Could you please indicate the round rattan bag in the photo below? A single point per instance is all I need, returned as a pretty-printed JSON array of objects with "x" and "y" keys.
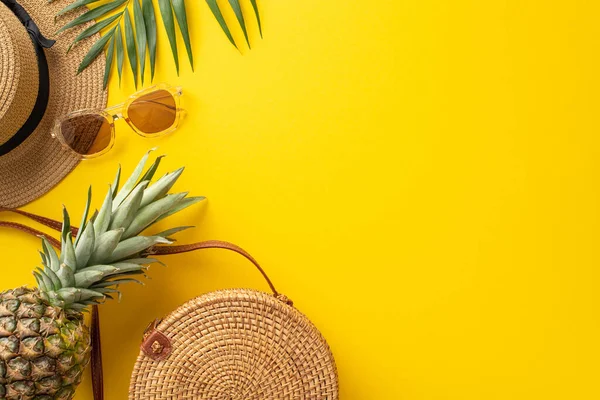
[{"x": 232, "y": 345}]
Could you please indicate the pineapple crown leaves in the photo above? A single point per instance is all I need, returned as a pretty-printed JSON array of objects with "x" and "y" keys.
[{"x": 108, "y": 248}]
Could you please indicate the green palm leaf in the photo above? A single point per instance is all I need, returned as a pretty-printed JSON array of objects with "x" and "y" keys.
[
  {"x": 109, "y": 57},
  {"x": 75, "y": 5},
  {"x": 130, "y": 43},
  {"x": 255, "y": 7},
  {"x": 167, "y": 15},
  {"x": 237, "y": 9},
  {"x": 180, "y": 14},
  {"x": 150, "y": 22},
  {"x": 94, "y": 51},
  {"x": 140, "y": 36},
  {"x": 120, "y": 56},
  {"x": 214, "y": 7},
  {"x": 93, "y": 14},
  {"x": 93, "y": 29},
  {"x": 139, "y": 32}
]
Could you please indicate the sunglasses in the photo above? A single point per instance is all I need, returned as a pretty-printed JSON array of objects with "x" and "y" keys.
[{"x": 152, "y": 112}]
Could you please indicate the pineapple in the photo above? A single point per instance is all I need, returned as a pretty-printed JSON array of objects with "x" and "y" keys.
[{"x": 44, "y": 342}]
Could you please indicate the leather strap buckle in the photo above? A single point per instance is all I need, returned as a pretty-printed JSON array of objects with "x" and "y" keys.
[{"x": 156, "y": 344}]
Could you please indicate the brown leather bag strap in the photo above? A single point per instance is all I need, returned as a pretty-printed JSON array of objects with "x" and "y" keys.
[
  {"x": 51, "y": 223},
  {"x": 96, "y": 360},
  {"x": 27, "y": 229},
  {"x": 213, "y": 244},
  {"x": 158, "y": 250}
]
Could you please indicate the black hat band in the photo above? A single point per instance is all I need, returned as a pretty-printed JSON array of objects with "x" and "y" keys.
[{"x": 41, "y": 103}]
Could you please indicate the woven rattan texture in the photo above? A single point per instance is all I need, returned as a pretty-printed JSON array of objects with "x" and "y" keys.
[{"x": 238, "y": 344}]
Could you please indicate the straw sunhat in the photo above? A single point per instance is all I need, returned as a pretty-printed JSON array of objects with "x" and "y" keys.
[{"x": 39, "y": 83}]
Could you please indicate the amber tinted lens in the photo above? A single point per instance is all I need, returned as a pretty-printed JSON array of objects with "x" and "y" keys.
[
  {"x": 87, "y": 134},
  {"x": 154, "y": 112}
]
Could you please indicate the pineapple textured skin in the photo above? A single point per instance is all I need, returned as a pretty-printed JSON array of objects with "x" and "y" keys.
[{"x": 43, "y": 348}]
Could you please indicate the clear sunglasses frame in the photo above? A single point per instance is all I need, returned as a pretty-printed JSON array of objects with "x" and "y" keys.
[{"x": 120, "y": 111}]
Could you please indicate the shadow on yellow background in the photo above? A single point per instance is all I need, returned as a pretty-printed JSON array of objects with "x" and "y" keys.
[{"x": 420, "y": 177}]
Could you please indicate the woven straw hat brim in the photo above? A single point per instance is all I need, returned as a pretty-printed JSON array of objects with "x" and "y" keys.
[
  {"x": 40, "y": 162},
  {"x": 238, "y": 344}
]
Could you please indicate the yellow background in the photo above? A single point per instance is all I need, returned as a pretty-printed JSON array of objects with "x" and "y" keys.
[{"x": 420, "y": 176}]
